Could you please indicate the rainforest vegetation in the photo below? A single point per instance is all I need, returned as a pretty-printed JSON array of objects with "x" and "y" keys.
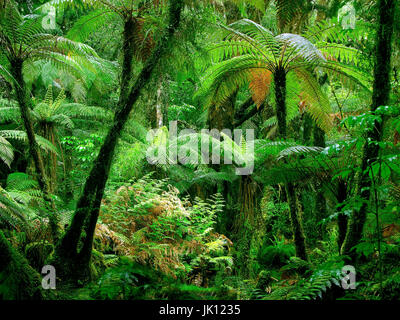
[{"x": 200, "y": 149}]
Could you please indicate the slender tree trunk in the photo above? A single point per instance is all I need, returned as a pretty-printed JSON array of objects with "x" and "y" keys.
[
  {"x": 68, "y": 165},
  {"x": 34, "y": 151},
  {"x": 222, "y": 117},
  {"x": 24, "y": 106},
  {"x": 159, "y": 105},
  {"x": 342, "y": 218},
  {"x": 280, "y": 98},
  {"x": 68, "y": 259},
  {"x": 320, "y": 201},
  {"x": 380, "y": 96},
  {"x": 295, "y": 219},
  {"x": 307, "y": 129}
]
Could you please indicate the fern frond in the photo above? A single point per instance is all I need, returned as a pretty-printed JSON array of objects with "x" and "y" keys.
[
  {"x": 22, "y": 136},
  {"x": 9, "y": 111},
  {"x": 348, "y": 75},
  {"x": 6, "y": 151},
  {"x": 300, "y": 48},
  {"x": 12, "y": 214},
  {"x": 81, "y": 111},
  {"x": 297, "y": 150},
  {"x": 318, "y": 105},
  {"x": 89, "y": 23}
]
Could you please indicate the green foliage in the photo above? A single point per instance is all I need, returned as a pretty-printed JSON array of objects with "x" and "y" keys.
[
  {"x": 27, "y": 33},
  {"x": 325, "y": 277},
  {"x": 12, "y": 214},
  {"x": 248, "y": 47},
  {"x": 128, "y": 280},
  {"x": 275, "y": 255},
  {"x": 131, "y": 281},
  {"x": 18, "y": 281},
  {"x": 280, "y": 62},
  {"x": 37, "y": 253}
]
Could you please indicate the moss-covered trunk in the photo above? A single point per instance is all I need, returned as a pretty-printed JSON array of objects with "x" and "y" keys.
[
  {"x": 307, "y": 129},
  {"x": 380, "y": 97},
  {"x": 296, "y": 221}
]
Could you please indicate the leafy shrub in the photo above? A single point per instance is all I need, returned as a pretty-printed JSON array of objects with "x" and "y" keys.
[
  {"x": 128, "y": 280},
  {"x": 37, "y": 253},
  {"x": 325, "y": 277},
  {"x": 276, "y": 255}
]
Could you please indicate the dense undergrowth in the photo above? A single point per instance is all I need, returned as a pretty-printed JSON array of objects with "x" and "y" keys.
[{"x": 124, "y": 213}]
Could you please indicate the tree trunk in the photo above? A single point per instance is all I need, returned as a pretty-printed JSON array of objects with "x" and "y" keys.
[
  {"x": 295, "y": 219},
  {"x": 159, "y": 105},
  {"x": 342, "y": 218},
  {"x": 68, "y": 247},
  {"x": 280, "y": 98},
  {"x": 320, "y": 201},
  {"x": 380, "y": 96},
  {"x": 307, "y": 129},
  {"x": 34, "y": 151},
  {"x": 221, "y": 117},
  {"x": 24, "y": 106},
  {"x": 68, "y": 166},
  {"x": 70, "y": 262}
]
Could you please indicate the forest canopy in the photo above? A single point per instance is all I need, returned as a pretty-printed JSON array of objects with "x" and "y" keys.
[{"x": 199, "y": 150}]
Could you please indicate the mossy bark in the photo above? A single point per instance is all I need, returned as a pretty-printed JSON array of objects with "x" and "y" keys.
[
  {"x": 295, "y": 219},
  {"x": 380, "y": 97}
]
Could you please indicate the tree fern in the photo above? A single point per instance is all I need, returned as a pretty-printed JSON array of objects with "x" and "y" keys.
[{"x": 248, "y": 46}]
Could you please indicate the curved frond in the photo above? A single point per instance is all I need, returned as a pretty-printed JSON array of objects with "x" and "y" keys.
[
  {"x": 12, "y": 214},
  {"x": 318, "y": 105},
  {"x": 300, "y": 47},
  {"x": 22, "y": 136},
  {"x": 81, "y": 111},
  {"x": 6, "y": 151},
  {"x": 222, "y": 79},
  {"x": 348, "y": 75},
  {"x": 89, "y": 23},
  {"x": 298, "y": 150}
]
